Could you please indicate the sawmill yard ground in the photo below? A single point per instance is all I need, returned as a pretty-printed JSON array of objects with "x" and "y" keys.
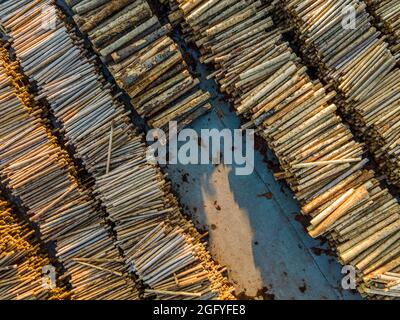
[{"x": 253, "y": 221}]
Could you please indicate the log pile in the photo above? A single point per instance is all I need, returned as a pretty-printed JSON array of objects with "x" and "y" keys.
[
  {"x": 379, "y": 116},
  {"x": 359, "y": 64},
  {"x": 387, "y": 14},
  {"x": 21, "y": 261},
  {"x": 225, "y": 29},
  {"x": 321, "y": 161},
  {"x": 133, "y": 192},
  {"x": 171, "y": 252},
  {"x": 385, "y": 285},
  {"x": 143, "y": 59},
  {"x": 355, "y": 58},
  {"x": 40, "y": 174}
]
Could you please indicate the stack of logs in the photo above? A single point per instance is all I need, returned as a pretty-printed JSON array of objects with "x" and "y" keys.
[
  {"x": 387, "y": 14},
  {"x": 321, "y": 161},
  {"x": 387, "y": 284},
  {"x": 40, "y": 174},
  {"x": 143, "y": 60},
  {"x": 379, "y": 117},
  {"x": 133, "y": 192},
  {"x": 358, "y": 62},
  {"x": 22, "y": 261}
]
